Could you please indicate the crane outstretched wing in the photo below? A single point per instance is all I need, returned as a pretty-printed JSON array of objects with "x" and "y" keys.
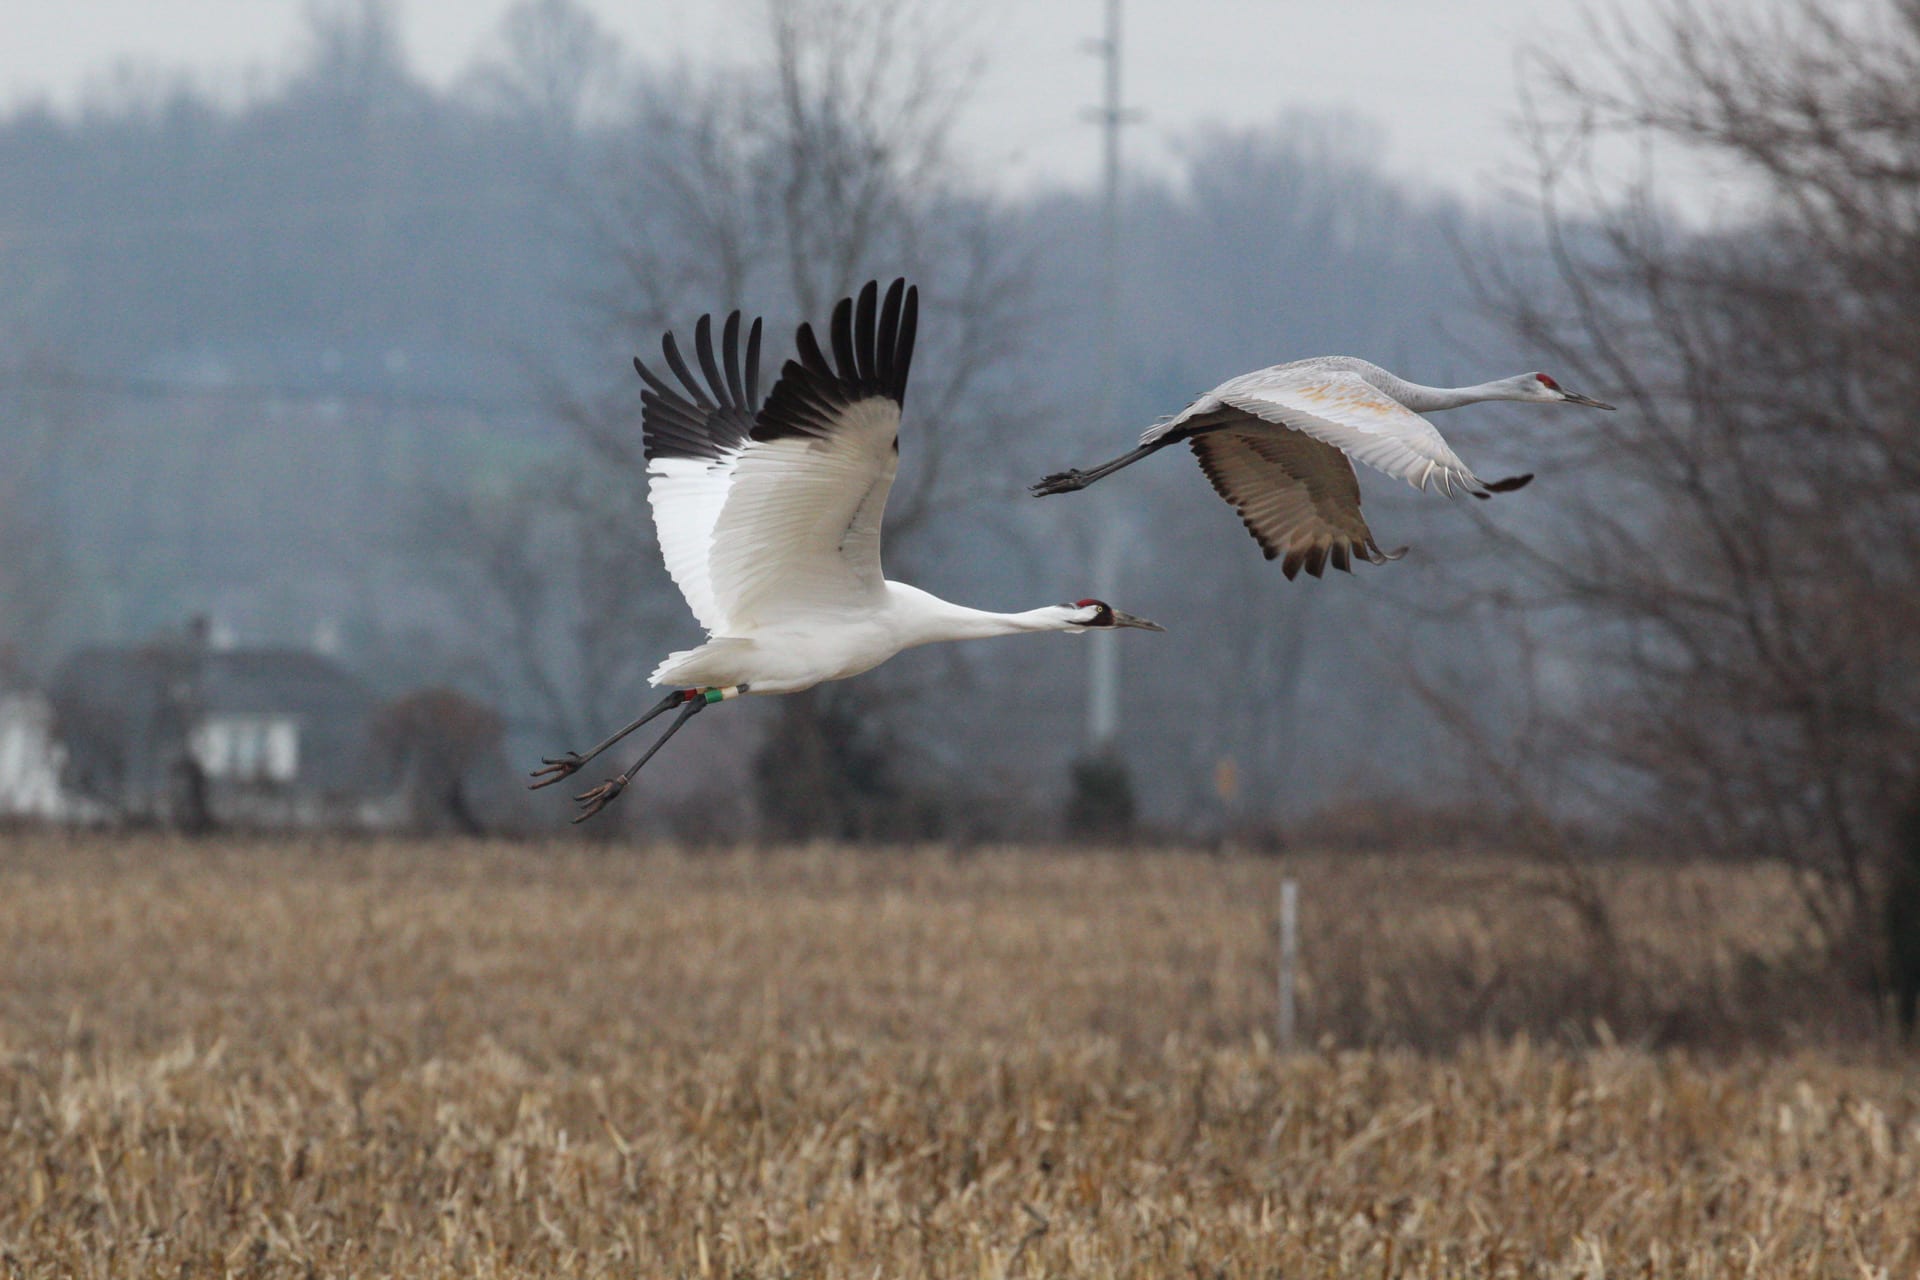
[
  {"x": 1342, "y": 409},
  {"x": 693, "y": 442},
  {"x": 800, "y": 527},
  {"x": 1298, "y": 497}
]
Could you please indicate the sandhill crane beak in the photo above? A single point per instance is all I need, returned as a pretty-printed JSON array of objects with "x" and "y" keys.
[
  {"x": 1128, "y": 620},
  {"x": 1574, "y": 397}
]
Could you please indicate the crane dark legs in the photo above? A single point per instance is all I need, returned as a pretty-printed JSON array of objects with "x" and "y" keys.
[
  {"x": 554, "y": 768},
  {"x": 594, "y": 799},
  {"x": 1069, "y": 481},
  {"x": 690, "y": 701}
]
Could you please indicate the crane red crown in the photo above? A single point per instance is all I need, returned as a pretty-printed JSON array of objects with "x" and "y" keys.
[{"x": 1550, "y": 383}]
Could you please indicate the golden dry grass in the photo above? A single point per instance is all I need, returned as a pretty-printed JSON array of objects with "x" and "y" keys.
[{"x": 287, "y": 1059}]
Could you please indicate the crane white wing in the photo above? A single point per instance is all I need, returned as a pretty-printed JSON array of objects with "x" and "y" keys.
[
  {"x": 1298, "y": 497},
  {"x": 693, "y": 443},
  {"x": 1342, "y": 409},
  {"x": 800, "y": 528}
]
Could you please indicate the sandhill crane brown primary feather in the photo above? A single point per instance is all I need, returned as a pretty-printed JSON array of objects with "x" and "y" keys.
[
  {"x": 1276, "y": 444},
  {"x": 768, "y": 517}
]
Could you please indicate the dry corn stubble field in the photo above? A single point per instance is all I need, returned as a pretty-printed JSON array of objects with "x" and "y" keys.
[{"x": 408, "y": 1059}]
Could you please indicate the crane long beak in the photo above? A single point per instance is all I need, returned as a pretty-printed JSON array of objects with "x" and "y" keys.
[
  {"x": 1128, "y": 620},
  {"x": 1574, "y": 397}
]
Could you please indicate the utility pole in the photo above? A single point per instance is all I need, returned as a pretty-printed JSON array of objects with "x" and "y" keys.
[{"x": 1103, "y": 659}]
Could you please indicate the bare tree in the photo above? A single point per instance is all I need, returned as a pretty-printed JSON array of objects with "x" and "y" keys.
[
  {"x": 556, "y": 68},
  {"x": 783, "y": 187},
  {"x": 1731, "y": 591},
  {"x": 435, "y": 739},
  {"x": 37, "y": 446},
  {"x": 555, "y": 587},
  {"x": 26, "y": 579}
]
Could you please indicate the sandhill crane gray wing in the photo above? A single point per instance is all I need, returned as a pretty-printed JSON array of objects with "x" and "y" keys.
[
  {"x": 1297, "y": 496},
  {"x": 1302, "y": 506},
  {"x": 1339, "y": 408}
]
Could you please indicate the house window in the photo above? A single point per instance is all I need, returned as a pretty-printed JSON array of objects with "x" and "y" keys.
[{"x": 241, "y": 748}]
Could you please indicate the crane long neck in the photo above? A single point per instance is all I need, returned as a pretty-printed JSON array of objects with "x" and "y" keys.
[
  {"x": 1423, "y": 399},
  {"x": 926, "y": 618}
]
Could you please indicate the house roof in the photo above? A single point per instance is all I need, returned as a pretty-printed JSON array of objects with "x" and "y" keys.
[
  {"x": 234, "y": 681},
  {"x": 294, "y": 681},
  {"x": 124, "y": 704}
]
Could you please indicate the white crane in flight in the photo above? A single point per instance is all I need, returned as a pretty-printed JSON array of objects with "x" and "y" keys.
[
  {"x": 769, "y": 521},
  {"x": 1275, "y": 444}
]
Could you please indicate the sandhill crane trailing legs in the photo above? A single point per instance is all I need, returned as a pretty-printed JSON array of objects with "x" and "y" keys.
[
  {"x": 1278, "y": 445},
  {"x": 768, "y": 517}
]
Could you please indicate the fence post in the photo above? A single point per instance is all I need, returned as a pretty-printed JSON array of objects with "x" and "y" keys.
[{"x": 1289, "y": 955}]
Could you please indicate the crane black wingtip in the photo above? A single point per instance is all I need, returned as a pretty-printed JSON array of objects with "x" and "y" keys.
[
  {"x": 872, "y": 346},
  {"x": 688, "y": 422},
  {"x": 1506, "y": 486}
]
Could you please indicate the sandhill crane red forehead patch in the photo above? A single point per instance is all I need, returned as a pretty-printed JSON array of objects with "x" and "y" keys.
[{"x": 1548, "y": 382}]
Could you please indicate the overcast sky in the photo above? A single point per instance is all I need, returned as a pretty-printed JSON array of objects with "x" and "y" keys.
[{"x": 1440, "y": 79}]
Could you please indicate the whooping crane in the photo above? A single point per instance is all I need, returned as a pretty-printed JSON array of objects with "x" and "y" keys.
[
  {"x": 1275, "y": 444},
  {"x": 769, "y": 521}
]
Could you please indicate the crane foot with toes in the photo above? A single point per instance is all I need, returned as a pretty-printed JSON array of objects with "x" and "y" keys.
[
  {"x": 555, "y": 768},
  {"x": 690, "y": 702},
  {"x": 1059, "y": 482},
  {"x": 597, "y": 798}
]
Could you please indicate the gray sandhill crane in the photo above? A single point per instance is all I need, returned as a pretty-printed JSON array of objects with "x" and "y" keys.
[
  {"x": 768, "y": 517},
  {"x": 1276, "y": 444}
]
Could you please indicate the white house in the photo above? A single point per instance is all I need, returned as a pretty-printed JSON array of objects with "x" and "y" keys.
[{"x": 30, "y": 761}]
